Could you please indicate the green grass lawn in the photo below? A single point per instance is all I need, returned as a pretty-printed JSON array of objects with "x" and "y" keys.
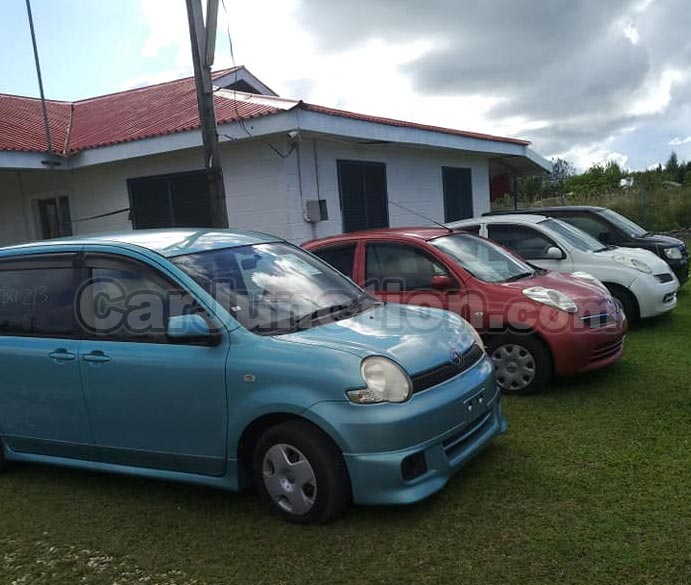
[{"x": 592, "y": 484}]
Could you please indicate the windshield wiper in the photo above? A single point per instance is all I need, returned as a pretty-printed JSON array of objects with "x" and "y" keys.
[
  {"x": 520, "y": 276},
  {"x": 346, "y": 308}
]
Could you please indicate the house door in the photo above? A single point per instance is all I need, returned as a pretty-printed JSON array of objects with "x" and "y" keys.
[
  {"x": 54, "y": 219},
  {"x": 458, "y": 193},
  {"x": 364, "y": 200}
]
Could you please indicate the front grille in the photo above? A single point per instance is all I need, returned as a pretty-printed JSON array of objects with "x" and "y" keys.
[
  {"x": 457, "y": 442},
  {"x": 664, "y": 278},
  {"x": 606, "y": 350},
  {"x": 444, "y": 372},
  {"x": 600, "y": 320}
]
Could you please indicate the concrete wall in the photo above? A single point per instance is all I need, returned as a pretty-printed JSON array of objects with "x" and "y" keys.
[
  {"x": 265, "y": 191},
  {"x": 414, "y": 179}
]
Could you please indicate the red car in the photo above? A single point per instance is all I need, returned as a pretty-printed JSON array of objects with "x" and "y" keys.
[{"x": 535, "y": 323}]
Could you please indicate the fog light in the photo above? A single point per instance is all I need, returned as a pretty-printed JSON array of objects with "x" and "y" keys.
[
  {"x": 413, "y": 466},
  {"x": 669, "y": 297}
]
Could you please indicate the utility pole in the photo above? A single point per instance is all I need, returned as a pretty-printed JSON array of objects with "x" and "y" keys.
[{"x": 203, "y": 41}]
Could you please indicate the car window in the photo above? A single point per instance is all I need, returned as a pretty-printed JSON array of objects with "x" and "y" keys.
[
  {"x": 398, "y": 267},
  {"x": 592, "y": 226},
  {"x": 572, "y": 235},
  {"x": 342, "y": 258},
  {"x": 275, "y": 288},
  {"x": 126, "y": 300},
  {"x": 483, "y": 258},
  {"x": 623, "y": 223},
  {"x": 526, "y": 241},
  {"x": 37, "y": 297}
]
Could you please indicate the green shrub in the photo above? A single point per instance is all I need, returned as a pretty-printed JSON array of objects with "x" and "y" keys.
[{"x": 663, "y": 208}]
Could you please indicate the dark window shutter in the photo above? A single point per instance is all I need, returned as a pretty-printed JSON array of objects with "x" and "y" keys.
[
  {"x": 363, "y": 191},
  {"x": 458, "y": 193}
]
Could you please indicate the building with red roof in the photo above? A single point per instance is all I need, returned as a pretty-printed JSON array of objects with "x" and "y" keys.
[{"x": 133, "y": 159}]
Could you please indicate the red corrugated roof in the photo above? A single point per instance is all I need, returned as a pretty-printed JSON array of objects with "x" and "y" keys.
[
  {"x": 156, "y": 110},
  {"x": 21, "y": 124}
]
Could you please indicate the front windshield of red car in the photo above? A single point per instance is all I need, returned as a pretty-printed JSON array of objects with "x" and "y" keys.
[{"x": 485, "y": 260}]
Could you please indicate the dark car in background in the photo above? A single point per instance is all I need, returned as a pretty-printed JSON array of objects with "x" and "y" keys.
[{"x": 612, "y": 228}]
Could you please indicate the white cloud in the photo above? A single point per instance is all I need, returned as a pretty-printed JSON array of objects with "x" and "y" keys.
[
  {"x": 583, "y": 157},
  {"x": 656, "y": 96},
  {"x": 678, "y": 141},
  {"x": 167, "y": 24}
]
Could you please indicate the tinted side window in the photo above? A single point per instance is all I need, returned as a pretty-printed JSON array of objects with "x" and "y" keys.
[
  {"x": 397, "y": 267},
  {"x": 526, "y": 241},
  {"x": 342, "y": 258},
  {"x": 126, "y": 300},
  {"x": 37, "y": 297},
  {"x": 592, "y": 226}
]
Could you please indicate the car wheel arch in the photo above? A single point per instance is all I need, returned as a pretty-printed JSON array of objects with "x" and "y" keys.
[
  {"x": 615, "y": 288},
  {"x": 255, "y": 429}
]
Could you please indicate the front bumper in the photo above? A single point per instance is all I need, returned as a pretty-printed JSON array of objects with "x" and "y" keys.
[
  {"x": 446, "y": 425},
  {"x": 680, "y": 268},
  {"x": 584, "y": 349},
  {"x": 654, "y": 298}
]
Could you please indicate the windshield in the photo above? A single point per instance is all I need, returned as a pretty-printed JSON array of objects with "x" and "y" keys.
[
  {"x": 623, "y": 223},
  {"x": 274, "y": 288},
  {"x": 483, "y": 259},
  {"x": 572, "y": 235}
]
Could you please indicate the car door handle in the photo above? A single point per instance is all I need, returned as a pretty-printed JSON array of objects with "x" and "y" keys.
[
  {"x": 96, "y": 357},
  {"x": 62, "y": 355}
]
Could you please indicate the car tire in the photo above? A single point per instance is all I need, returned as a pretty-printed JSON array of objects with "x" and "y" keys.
[
  {"x": 627, "y": 303},
  {"x": 522, "y": 362},
  {"x": 300, "y": 473}
]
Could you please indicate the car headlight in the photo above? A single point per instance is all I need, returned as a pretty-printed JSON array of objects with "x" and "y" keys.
[
  {"x": 476, "y": 335},
  {"x": 633, "y": 263},
  {"x": 589, "y": 277},
  {"x": 551, "y": 297},
  {"x": 386, "y": 381},
  {"x": 672, "y": 253}
]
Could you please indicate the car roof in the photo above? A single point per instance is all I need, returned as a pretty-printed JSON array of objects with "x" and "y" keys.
[
  {"x": 166, "y": 242},
  {"x": 424, "y": 233},
  {"x": 517, "y": 217},
  {"x": 538, "y": 210}
]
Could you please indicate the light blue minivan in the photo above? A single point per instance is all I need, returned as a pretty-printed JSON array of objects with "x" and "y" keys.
[{"x": 224, "y": 358}]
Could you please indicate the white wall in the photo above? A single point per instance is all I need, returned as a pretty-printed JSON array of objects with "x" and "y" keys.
[
  {"x": 414, "y": 179},
  {"x": 265, "y": 191}
]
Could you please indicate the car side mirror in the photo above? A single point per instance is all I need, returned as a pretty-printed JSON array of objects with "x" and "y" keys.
[
  {"x": 190, "y": 328},
  {"x": 554, "y": 253},
  {"x": 441, "y": 282}
]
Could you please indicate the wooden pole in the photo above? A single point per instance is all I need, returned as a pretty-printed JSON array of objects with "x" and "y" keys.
[{"x": 205, "y": 101}]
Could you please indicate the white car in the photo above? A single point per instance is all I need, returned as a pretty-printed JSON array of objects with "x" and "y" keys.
[{"x": 642, "y": 283}]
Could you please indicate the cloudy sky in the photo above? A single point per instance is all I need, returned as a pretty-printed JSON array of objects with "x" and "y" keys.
[{"x": 588, "y": 80}]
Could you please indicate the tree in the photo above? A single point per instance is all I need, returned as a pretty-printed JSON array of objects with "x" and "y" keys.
[
  {"x": 562, "y": 169},
  {"x": 674, "y": 170}
]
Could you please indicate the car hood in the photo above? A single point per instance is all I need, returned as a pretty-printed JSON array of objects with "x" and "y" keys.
[
  {"x": 418, "y": 338},
  {"x": 658, "y": 265},
  {"x": 580, "y": 290},
  {"x": 661, "y": 240}
]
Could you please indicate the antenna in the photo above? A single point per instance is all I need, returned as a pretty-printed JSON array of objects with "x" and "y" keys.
[{"x": 441, "y": 225}]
